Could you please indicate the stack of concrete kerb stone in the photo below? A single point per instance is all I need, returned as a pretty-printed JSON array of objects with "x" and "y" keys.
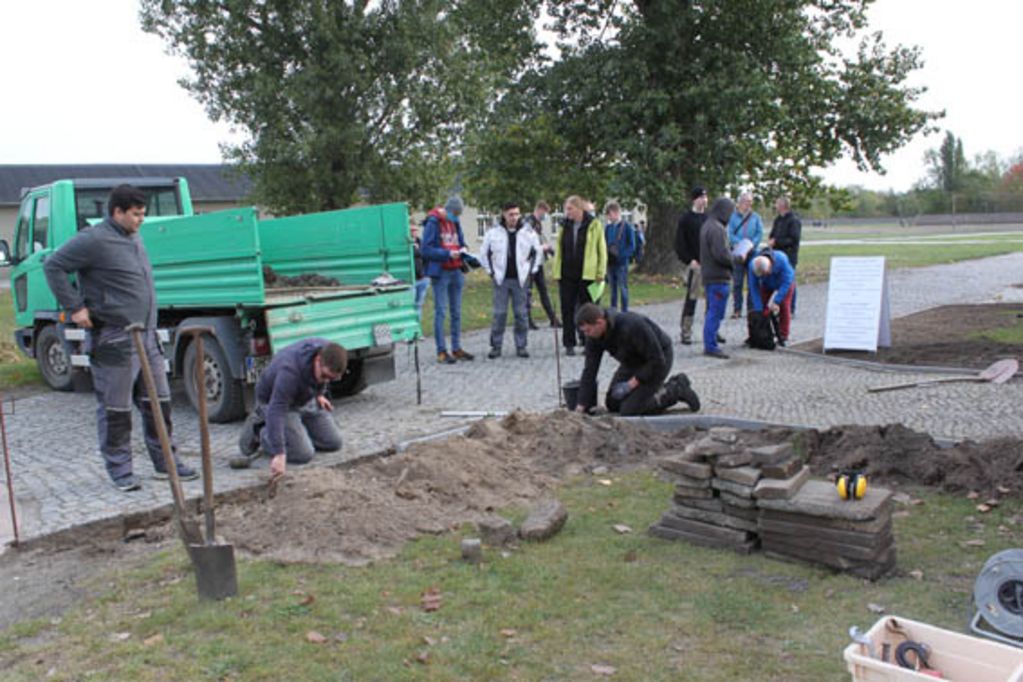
[
  {"x": 717, "y": 480},
  {"x": 815, "y": 525}
]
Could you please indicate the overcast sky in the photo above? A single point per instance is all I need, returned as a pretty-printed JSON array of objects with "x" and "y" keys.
[{"x": 86, "y": 85}]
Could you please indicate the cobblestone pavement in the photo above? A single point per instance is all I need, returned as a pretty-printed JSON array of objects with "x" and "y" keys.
[{"x": 60, "y": 482}]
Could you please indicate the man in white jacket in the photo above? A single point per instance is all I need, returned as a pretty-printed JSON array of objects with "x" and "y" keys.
[{"x": 511, "y": 253}]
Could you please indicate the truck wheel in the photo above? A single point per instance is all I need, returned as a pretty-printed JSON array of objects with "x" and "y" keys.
[
  {"x": 54, "y": 363},
  {"x": 224, "y": 395},
  {"x": 352, "y": 383}
]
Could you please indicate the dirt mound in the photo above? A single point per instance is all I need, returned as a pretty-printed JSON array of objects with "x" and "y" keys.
[
  {"x": 950, "y": 336},
  {"x": 273, "y": 280},
  {"x": 358, "y": 515},
  {"x": 896, "y": 455}
]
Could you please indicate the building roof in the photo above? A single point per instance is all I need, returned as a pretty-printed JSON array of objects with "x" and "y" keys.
[{"x": 207, "y": 182}]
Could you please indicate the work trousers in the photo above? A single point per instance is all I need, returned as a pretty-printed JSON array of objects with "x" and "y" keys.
[
  {"x": 693, "y": 281},
  {"x": 717, "y": 302},
  {"x": 618, "y": 279},
  {"x": 447, "y": 296},
  {"x": 308, "y": 429},
  {"x": 118, "y": 384},
  {"x": 573, "y": 293},
  {"x": 647, "y": 398},
  {"x": 784, "y": 309},
  {"x": 509, "y": 289},
  {"x": 539, "y": 279}
]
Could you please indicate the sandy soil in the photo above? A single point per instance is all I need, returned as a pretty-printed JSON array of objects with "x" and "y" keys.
[{"x": 943, "y": 337}]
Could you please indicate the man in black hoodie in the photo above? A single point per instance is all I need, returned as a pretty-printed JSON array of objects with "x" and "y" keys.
[
  {"x": 716, "y": 270},
  {"x": 644, "y": 351},
  {"x": 687, "y": 247}
]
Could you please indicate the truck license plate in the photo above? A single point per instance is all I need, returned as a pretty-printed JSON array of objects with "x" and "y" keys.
[{"x": 382, "y": 334}]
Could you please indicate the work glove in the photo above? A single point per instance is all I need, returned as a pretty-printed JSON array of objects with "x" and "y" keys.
[{"x": 620, "y": 390}]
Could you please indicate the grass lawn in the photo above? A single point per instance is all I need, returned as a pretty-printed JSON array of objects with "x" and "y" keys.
[
  {"x": 651, "y": 609},
  {"x": 15, "y": 368}
]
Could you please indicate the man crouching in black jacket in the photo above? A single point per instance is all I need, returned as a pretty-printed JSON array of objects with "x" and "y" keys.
[{"x": 644, "y": 351}]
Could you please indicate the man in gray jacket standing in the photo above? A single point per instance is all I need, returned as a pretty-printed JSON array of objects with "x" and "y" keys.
[
  {"x": 716, "y": 271},
  {"x": 115, "y": 289}
]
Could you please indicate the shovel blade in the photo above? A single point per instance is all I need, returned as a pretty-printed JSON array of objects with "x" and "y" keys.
[
  {"x": 1001, "y": 371},
  {"x": 216, "y": 577}
]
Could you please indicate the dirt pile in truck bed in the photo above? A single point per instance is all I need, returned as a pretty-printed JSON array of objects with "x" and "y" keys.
[{"x": 273, "y": 280}]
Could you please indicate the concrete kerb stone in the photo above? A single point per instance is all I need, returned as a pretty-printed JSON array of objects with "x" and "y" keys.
[{"x": 870, "y": 365}]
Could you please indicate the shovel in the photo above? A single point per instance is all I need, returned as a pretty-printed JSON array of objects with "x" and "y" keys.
[
  {"x": 997, "y": 373},
  {"x": 189, "y": 529},
  {"x": 215, "y": 574}
]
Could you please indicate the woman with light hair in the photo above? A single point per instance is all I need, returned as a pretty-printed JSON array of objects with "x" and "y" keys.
[{"x": 580, "y": 260}]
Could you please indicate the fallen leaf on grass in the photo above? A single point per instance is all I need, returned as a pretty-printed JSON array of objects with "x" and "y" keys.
[
  {"x": 429, "y": 641},
  {"x": 983, "y": 508},
  {"x": 1003, "y": 489},
  {"x": 795, "y": 608},
  {"x": 151, "y": 641},
  {"x": 622, "y": 528},
  {"x": 341, "y": 637},
  {"x": 603, "y": 669},
  {"x": 916, "y": 502},
  {"x": 917, "y": 574},
  {"x": 630, "y": 556},
  {"x": 875, "y": 608},
  {"x": 423, "y": 657},
  {"x": 973, "y": 543},
  {"x": 120, "y": 636},
  {"x": 604, "y": 481},
  {"x": 972, "y": 495},
  {"x": 509, "y": 632},
  {"x": 314, "y": 637},
  {"x": 309, "y": 599},
  {"x": 431, "y": 599},
  {"x": 395, "y": 610},
  {"x": 993, "y": 502}
]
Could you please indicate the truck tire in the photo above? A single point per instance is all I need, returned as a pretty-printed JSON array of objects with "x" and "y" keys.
[
  {"x": 224, "y": 394},
  {"x": 352, "y": 383},
  {"x": 53, "y": 361}
]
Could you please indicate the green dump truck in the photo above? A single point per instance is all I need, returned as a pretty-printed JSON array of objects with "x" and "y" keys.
[{"x": 260, "y": 284}]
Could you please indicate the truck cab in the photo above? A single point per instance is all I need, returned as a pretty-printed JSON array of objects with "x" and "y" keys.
[{"x": 49, "y": 216}]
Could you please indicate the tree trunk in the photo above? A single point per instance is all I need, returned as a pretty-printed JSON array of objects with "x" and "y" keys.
[{"x": 659, "y": 253}]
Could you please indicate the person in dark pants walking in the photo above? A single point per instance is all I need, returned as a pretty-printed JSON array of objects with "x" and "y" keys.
[
  {"x": 115, "y": 289},
  {"x": 535, "y": 221},
  {"x": 621, "y": 249},
  {"x": 687, "y": 247},
  {"x": 644, "y": 351},
  {"x": 716, "y": 271},
  {"x": 579, "y": 260},
  {"x": 292, "y": 418}
]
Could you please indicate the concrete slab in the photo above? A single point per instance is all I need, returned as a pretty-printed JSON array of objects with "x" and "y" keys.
[
  {"x": 775, "y": 488},
  {"x": 819, "y": 498},
  {"x": 781, "y": 470},
  {"x": 685, "y": 466},
  {"x": 771, "y": 454},
  {"x": 746, "y": 476}
]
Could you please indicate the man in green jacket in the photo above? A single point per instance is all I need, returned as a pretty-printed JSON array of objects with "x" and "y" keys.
[{"x": 580, "y": 260}]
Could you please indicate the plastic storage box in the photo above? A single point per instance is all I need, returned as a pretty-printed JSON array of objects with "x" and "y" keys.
[{"x": 958, "y": 657}]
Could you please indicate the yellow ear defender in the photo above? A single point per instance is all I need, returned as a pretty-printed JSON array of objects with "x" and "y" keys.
[{"x": 851, "y": 485}]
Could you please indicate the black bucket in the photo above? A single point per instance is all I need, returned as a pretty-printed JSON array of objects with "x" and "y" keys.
[{"x": 571, "y": 392}]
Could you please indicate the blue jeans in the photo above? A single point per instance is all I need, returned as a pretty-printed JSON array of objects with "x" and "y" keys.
[
  {"x": 739, "y": 274},
  {"x": 509, "y": 288},
  {"x": 618, "y": 277},
  {"x": 447, "y": 293},
  {"x": 422, "y": 286},
  {"x": 717, "y": 302}
]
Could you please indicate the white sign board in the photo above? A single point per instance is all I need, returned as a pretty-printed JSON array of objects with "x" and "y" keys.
[{"x": 858, "y": 314}]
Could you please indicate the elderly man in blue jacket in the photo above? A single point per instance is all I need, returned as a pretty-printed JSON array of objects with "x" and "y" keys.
[
  {"x": 292, "y": 418},
  {"x": 772, "y": 284}
]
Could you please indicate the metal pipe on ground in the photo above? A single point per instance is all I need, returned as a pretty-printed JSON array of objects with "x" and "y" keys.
[{"x": 7, "y": 473}]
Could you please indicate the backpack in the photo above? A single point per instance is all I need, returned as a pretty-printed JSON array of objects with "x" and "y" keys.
[{"x": 761, "y": 329}]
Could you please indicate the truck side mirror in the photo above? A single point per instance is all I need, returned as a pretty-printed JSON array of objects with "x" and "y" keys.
[{"x": 5, "y": 253}]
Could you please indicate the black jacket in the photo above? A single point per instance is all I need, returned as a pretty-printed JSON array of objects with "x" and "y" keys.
[
  {"x": 715, "y": 256},
  {"x": 687, "y": 236},
  {"x": 287, "y": 384},
  {"x": 632, "y": 339},
  {"x": 785, "y": 232}
]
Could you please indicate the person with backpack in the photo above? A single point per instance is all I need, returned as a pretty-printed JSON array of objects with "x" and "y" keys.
[
  {"x": 621, "y": 249},
  {"x": 442, "y": 249},
  {"x": 772, "y": 284}
]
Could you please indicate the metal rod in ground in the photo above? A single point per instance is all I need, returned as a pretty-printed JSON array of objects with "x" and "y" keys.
[
  {"x": 557, "y": 363},
  {"x": 473, "y": 413},
  {"x": 7, "y": 473},
  {"x": 419, "y": 375}
]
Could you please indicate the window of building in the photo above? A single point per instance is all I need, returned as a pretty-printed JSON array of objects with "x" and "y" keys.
[{"x": 484, "y": 221}]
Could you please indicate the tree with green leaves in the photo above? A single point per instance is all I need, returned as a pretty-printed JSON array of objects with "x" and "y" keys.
[
  {"x": 650, "y": 97},
  {"x": 346, "y": 101},
  {"x": 947, "y": 164}
]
